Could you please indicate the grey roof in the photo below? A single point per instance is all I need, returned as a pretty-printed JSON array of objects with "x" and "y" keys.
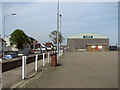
[{"x": 95, "y": 35}]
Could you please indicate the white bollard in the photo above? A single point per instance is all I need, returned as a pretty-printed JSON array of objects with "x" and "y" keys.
[
  {"x": 23, "y": 71},
  {"x": 36, "y": 63},
  {"x": 23, "y": 67},
  {"x": 48, "y": 57},
  {"x": 0, "y": 60},
  {"x": 43, "y": 59}
]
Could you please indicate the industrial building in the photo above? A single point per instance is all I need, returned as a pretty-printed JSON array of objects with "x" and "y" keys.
[{"x": 88, "y": 42}]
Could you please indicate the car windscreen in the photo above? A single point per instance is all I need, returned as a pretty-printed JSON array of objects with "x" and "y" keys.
[
  {"x": 20, "y": 52},
  {"x": 9, "y": 54}
]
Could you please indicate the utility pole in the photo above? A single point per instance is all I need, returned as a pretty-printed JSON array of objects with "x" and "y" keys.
[
  {"x": 58, "y": 31},
  {"x": 3, "y": 42}
]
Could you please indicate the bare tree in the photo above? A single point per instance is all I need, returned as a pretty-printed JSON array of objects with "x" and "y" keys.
[{"x": 53, "y": 37}]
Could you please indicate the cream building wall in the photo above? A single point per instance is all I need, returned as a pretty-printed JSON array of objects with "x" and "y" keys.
[{"x": 8, "y": 46}]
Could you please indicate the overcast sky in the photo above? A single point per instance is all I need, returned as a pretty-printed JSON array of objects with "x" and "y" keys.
[{"x": 38, "y": 19}]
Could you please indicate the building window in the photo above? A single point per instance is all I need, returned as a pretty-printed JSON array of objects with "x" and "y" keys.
[
  {"x": 83, "y": 36},
  {"x": 88, "y": 37}
]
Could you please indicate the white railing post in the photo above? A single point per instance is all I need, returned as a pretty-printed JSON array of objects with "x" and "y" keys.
[
  {"x": 23, "y": 71},
  {"x": 43, "y": 59},
  {"x": 23, "y": 67},
  {"x": 36, "y": 63},
  {"x": 48, "y": 57},
  {"x": 0, "y": 60}
]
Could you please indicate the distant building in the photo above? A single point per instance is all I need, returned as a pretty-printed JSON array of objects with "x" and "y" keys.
[
  {"x": 63, "y": 47},
  {"x": 33, "y": 44},
  {"x": 88, "y": 41},
  {"x": 8, "y": 46},
  {"x": 49, "y": 46},
  {"x": 2, "y": 44}
]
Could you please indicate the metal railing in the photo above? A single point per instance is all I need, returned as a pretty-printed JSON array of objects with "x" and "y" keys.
[{"x": 24, "y": 58}]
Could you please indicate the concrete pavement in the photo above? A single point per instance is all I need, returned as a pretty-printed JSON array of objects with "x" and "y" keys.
[
  {"x": 79, "y": 70},
  {"x": 12, "y": 78}
]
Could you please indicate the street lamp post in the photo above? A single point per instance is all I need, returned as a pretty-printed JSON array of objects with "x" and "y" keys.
[
  {"x": 58, "y": 32},
  {"x": 3, "y": 47}
]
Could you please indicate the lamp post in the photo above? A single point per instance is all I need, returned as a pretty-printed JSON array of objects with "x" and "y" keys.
[
  {"x": 58, "y": 31},
  {"x": 3, "y": 47}
]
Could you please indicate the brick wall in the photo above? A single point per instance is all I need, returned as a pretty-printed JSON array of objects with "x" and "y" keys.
[
  {"x": 81, "y": 43},
  {"x": 18, "y": 62}
]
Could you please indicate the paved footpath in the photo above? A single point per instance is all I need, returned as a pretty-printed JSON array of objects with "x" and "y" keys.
[
  {"x": 79, "y": 70},
  {"x": 12, "y": 78}
]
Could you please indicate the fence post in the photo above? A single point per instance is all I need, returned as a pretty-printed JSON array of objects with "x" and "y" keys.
[
  {"x": 43, "y": 59},
  {"x": 36, "y": 63},
  {"x": 0, "y": 60},
  {"x": 48, "y": 57},
  {"x": 23, "y": 67}
]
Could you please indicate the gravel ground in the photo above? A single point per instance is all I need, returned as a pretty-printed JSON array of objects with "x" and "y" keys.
[{"x": 79, "y": 70}]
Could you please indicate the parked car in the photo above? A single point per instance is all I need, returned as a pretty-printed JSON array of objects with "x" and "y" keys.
[
  {"x": 10, "y": 56},
  {"x": 20, "y": 53},
  {"x": 31, "y": 51},
  {"x": 43, "y": 49},
  {"x": 112, "y": 48},
  {"x": 36, "y": 50},
  {"x": 49, "y": 48}
]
